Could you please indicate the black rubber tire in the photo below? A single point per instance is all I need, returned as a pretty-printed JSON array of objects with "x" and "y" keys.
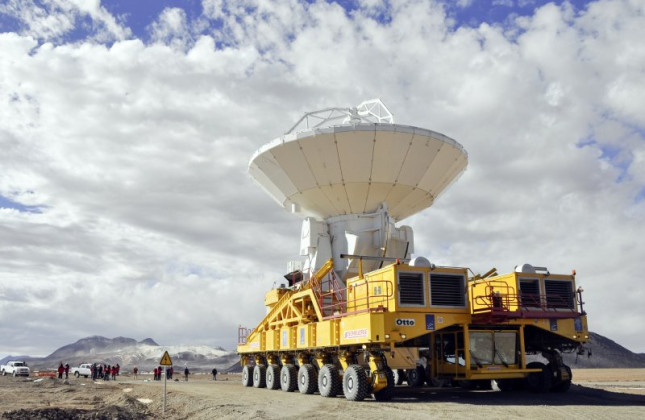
[
  {"x": 247, "y": 375},
  {"x": 329, "y": 384},
  {"x": 399, "y": 376},
  {"x": 386, "y": 393},
  {"x": 437, "y": 382},
  {"x": 288, "y": 378},
  {"x": 562, "y": 386},
  {"x": 355, "y": 383},
  {"x": 77, "y": 374},
  {"x": 307, "y": 379},
  {"x": 483, "y": 384},
  {"x": 260, "y": 376},
  {"x": 273, "y": 377},
  {"x": 539, "y": 381},
  {"x": 416, "y": 376},
  {"x": 486, "y": 385},
  {"x": 509, "y": 385}
]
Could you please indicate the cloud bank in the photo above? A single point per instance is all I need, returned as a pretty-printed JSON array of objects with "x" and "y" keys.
[{"x": 128, "y": 156}]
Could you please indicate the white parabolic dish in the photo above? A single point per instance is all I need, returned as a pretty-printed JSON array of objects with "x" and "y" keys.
[{"x": 352, "y": 168}]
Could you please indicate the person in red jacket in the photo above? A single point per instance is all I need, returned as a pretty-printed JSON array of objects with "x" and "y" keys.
[
  {"x": 156, "y": 372},
  {"x": 61, "y": 369}
]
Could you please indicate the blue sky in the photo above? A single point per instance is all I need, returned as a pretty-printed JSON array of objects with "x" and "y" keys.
[
  {"x": 137, "y": 15},
  {"x": 140, "y": 14},
  {"x": 126, "y": 128},
  {"x": 10, "y": 204}
]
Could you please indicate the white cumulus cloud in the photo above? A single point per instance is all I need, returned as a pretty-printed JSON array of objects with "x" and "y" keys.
[{"x": 135, "y": 154}]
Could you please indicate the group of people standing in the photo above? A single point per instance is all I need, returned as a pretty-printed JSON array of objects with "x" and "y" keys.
[
  {"x": 97, "y": 371},
  {"x": 159, "y": 370},
  {"x": 63, "y": 369},
  {"x": 104, "y": 372}
]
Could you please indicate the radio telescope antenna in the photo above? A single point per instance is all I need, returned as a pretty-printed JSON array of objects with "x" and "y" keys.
[{"x": 351, "y": 174}]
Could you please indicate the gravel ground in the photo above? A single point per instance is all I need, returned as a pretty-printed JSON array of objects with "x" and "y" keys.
[{"x": 596, "y": 394}]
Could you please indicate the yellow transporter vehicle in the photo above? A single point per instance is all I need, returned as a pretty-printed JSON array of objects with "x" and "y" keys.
[
  {"x": 547, "y": 311},
  {"x": 346, "y": 321},
  {"x": 514, "y": 315},
  {"x": 326, "y": 338}
]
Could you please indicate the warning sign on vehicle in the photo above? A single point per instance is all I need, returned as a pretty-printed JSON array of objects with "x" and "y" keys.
[{"x": 165, "y": 359}]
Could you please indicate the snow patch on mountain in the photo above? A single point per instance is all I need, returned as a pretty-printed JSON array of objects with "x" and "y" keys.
[
  {"x": 148, "y": 352},
  {"x": 129, "y": 352}
]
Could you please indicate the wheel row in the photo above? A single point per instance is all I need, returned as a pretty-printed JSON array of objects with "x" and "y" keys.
[
  {"x": 327, "y": 381},
  {"x": 414, "y": 377},
  {"x": 549, "y": 379}
]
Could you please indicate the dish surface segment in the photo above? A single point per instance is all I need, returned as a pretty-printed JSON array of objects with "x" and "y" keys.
[{"x": 352, "y": 168}]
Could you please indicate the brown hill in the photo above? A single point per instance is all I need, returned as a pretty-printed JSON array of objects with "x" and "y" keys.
[{"x": 605, "y": 353}]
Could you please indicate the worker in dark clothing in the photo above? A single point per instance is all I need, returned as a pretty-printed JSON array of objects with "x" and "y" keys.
[
  {"x": 214, "y": 371},
  {"x": 186, "y": 372}
]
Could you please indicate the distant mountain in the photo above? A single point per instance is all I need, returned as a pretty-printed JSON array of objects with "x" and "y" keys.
[
  {"x": 148, "y": 341},
  {"x": 605, "y": 353},
  {"x": 129, "y": 352}
]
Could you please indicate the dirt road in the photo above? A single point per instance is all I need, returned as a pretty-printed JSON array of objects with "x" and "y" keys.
[{"x": 596, "y": 394}]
